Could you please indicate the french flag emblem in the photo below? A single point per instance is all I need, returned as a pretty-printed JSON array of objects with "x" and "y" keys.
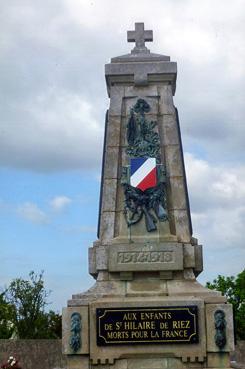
[{"x": 143, "y": 173}]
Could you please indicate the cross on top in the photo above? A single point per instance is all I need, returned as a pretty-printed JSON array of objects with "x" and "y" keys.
[{"x": 140, "y": 36}]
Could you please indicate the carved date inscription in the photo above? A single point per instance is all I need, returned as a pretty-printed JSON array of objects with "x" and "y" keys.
[{"x": 145, "y": 257}]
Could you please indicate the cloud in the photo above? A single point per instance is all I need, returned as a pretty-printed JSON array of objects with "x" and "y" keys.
[
  {"x": 32, "y": 213},
  {"x": 52, "y": 80},
  {"x": 53, "y": 131},
  {"x": 58, "y": 203},
  {"x": 217, "y": 195}
]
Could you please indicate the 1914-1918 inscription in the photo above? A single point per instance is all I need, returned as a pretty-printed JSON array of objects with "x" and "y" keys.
[
  {"x": 145, "y": 257},
  {"x": 147, "y": 325}
]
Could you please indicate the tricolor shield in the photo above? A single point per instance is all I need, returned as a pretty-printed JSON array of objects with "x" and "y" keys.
[{"x": 143, "y": 173}]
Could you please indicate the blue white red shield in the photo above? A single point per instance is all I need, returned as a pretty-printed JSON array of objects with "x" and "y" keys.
[{"x": 143, "y": 173}]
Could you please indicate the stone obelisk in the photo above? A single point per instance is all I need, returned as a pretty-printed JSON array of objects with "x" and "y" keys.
[{"x": 146, "y": 309}]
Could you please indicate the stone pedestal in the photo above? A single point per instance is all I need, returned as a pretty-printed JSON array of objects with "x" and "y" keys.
[{"x": 146, "y": 309}]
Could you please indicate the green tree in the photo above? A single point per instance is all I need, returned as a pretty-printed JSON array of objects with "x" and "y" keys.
[
  {"x": 6, "y": 326},
  {"x": 28, "y": 300},
  {"x": 233, "y": 288}
]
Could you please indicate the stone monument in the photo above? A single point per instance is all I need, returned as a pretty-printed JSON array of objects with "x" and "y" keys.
[{"x": 146, "y": 309}]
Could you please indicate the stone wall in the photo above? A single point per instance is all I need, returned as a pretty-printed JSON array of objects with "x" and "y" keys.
[
  {"x": 46, "y": 354},
  {"x": 239, "y": 354},
  {"x": 34, "y": 354}
]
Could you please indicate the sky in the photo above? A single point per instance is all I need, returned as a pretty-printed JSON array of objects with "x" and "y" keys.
[{"x": 53, "y": 101}]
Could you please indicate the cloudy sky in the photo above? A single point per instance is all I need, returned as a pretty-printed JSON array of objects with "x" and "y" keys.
[{"x": 53, "y": 102}]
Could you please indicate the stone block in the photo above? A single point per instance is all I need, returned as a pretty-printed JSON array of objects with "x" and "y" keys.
[
  {"x": 66, "y": 330},
  {"x": 166, "y": 103},
  {"x": 189, "y": 256},
  {"x": 176, "y": 193},
  {"x": 121, "y": 228},
  {"x": 141, "y": 73},
  {"x": 181, "y": 224},
  {"x": 120, "y": 205},
  {"x": 218, "y": 360},
  {"x": 92, "y": 261},
  {"x": 146, "y": 287},
  {"x": 211, "y": 331},
  {"x": 107, "y": 226},
  {"x": 113, "y": 131},
  {"x": 165, "y": 274},
  {"x": 182, "y": 287},
  {"x": 120, "y": 364},
  {"x": 164, "y": 232},
  {"x": 117, "y": 94},
  {"x": 141, "y": 92},
  {"x": 109, "y": 195},
  {"x": 126, "y": 276},
  {"x": 111, "y": 163},
  {"x": 145, "y": 257},
  {"x": 189, "y": 274},
  {"x": 101, "y": 258},
  {"x": 75, "y": 362},
  {"x": 169, "y": 130},
  {"x": 198, "y": 259},
  {"x": 174, "y": 163},
  {"x": 146, "y": 363}
]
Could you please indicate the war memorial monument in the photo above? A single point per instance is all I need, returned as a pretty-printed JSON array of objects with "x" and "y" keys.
[{"x": 146, "y": 309}]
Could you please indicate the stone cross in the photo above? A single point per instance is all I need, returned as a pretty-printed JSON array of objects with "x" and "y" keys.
[{"x": 140, "y": 36}]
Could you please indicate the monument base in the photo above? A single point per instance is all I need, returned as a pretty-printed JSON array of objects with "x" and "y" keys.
[{"x": 148, "y": 323}]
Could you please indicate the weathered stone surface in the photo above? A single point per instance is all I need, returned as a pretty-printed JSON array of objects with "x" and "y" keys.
[
  {"x": 140, "y": 73},
  {"x": 111, "y": 163},
  {"x": 132, "y": 91},
  {"x": 117, "y": 94},
  {"x": 107, "y": 226},
  {"x": 145, "y": 257},
  {"x": 198, "y": 259},
  {"x": 169, "y": 130},
  {"x": 102, "y": 258},
  {"x": 113, "y": 131},
  {"x": 146, "y": 288},
  {"x": 174, "y": 162},
  {"x": 189, "y": 256},
  {"x": 157, "y": 363},
  {"x": 218, "y": 360},
  {"x": 66, "y": 330},
  {"x": 92, "y": 261},
  {"x": 210, "y": 310},
  {"x": 177, "y": 193},
  {"x": 81, "y": 362},
  {"x": 180, "y": 287},
  {"x": 34, "y": 353},
  {"x": 109, "y": 195},
  {"x": 189, "y": 274},
  {"x": 166, "y": 104},
  {"x": 181, "y": 224}
]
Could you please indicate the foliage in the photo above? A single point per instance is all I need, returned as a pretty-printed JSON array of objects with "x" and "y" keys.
[
  {"x": 12, "y": 363},
  {"x": 28, "y": 300},
  {"x": 6, "y": 327},
  {"x": 233, "y": 288}
]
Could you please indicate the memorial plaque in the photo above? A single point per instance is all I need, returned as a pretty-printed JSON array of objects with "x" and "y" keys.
[{"x": 177, "y": 324}]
